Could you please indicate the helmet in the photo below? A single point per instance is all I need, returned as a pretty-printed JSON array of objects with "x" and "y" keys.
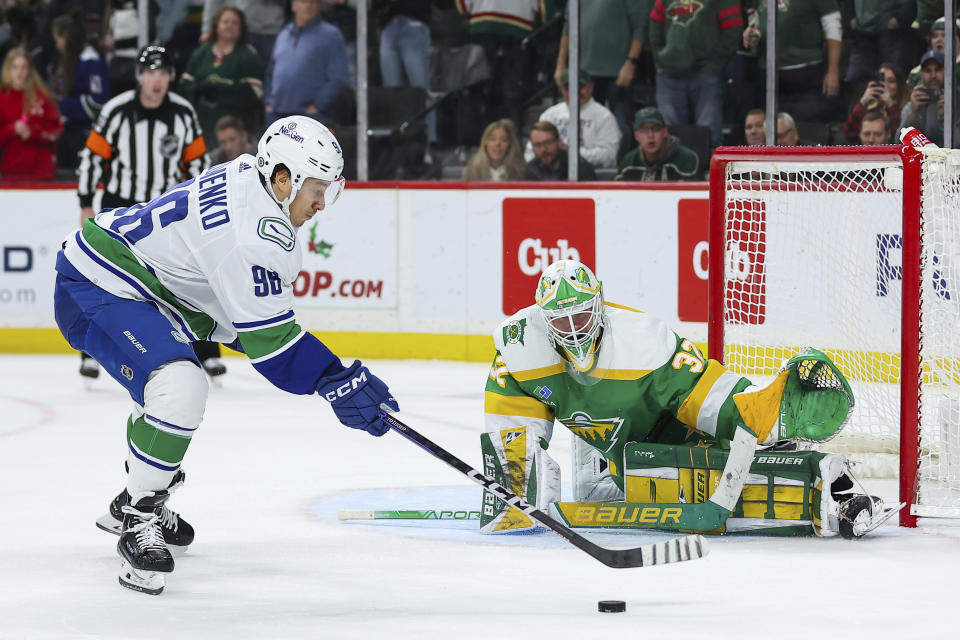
[
  {"x": 571, "y": 300},
  {"x": 153, "y": 56},
  {"x": 308, "y": 150}
]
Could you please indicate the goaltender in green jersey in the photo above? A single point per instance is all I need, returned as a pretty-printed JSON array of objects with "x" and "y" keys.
[{"x": 665, "y": 438}]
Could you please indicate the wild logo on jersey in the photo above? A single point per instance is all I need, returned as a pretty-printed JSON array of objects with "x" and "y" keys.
[
  {"x": 683, "y": 11},
  {"x": 601, "y": 433},
  {"x": 513, "y": 332}
]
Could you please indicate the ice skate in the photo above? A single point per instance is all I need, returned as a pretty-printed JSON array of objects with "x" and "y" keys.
[
  {"x": 145, "y": 555},
  {"x": 177, "y": 532}
]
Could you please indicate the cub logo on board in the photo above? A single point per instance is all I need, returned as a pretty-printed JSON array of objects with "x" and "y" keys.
[{"x": 538, "y": 232}]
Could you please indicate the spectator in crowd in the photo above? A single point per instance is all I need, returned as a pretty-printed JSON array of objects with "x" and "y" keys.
[
  {"x": 144, "y": 142},
  {"x": 691, "y": 49},
  {"x": 743, "y": 75},
  {"x": 308, "y": 67},
  {"x": 807, "y": 85},
  {"x": 612, "y": 33},
  {"x": 499, "y": 157},
  {"x": 499, "y": 26},
  {"x": 928, "y": 11},
  {"x": 225, "y": 76},
  {"x": 179, "y": 29},
  {"x": 875, "y": 128},
  {"x": 19, "y": 28},
  {"x": 754, "y": 127},
  {"x": 79, "y": 82},
  {"x": 936, "y": 40},
  {"x": 925, "y": 108},
  {"x": 29, "y": 121},
  {"x": 659, "y": 156},
  {"x": 232, "y": 140},
  {"x": 405, "y": 51},
  {"x": 881, "y": 31},
  {"x": 787, "y": 134},
  {"x": 120, "y": 42},
  {"x": 265, "y": 19},
  {"x": 887, "y": 93},
  {"x": 550, "y": 161},
  {"x": 599, "y": 133}
]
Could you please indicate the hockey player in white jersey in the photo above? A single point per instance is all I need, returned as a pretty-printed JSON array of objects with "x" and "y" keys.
[{"x": 213, "y": 258}]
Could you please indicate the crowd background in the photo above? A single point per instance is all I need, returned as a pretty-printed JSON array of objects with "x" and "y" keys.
[{"x": 477, "y": 89}]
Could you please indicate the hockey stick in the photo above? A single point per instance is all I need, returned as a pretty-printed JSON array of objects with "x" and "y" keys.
[
  {"x": 399, "y": 514},
  {"x": 689, "y": 547}
]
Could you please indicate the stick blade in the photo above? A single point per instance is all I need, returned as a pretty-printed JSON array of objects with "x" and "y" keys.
[
  {"x": 355, "y": 514},
  {"x": 682, "y": 549}
]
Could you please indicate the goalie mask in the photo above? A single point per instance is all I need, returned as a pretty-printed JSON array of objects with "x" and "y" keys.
[
  {"x": 308, "y": 150},
  {"x": 571, "y": 300}
]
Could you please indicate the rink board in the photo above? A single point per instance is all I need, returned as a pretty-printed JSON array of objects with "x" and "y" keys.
[{"x": 421, "y": 270}]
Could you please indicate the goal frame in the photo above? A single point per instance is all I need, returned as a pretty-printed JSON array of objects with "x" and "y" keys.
[{"x": 911, "y": 162}]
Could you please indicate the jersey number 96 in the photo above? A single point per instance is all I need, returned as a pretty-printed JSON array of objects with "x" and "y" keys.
[{"x": 265, "y": 282}]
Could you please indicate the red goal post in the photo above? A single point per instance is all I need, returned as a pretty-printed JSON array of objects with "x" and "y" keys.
[{"x": 809, "y": 242}]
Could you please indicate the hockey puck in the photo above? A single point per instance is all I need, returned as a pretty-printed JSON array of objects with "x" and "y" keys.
[{"x": 611, "y": 606}]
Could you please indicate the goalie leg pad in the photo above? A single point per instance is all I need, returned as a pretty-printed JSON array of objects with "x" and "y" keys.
[
  {"x": 592, "y": 477},
  {"x": 786, "y": 493},
  {"x": 516, "y": 459}
]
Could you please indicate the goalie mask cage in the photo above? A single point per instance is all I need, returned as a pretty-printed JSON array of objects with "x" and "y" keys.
[{"x": 854, "y": 251}]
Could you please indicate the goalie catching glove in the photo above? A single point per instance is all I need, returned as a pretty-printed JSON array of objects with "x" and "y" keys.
[{"x": 357, "y": 397}]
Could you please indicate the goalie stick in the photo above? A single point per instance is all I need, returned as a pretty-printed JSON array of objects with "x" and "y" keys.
[
  {"x": 690, "y": 547},
  {"x": 409, "y": 514}
]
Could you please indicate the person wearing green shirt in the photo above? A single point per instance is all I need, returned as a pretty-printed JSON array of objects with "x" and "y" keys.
[
  {"x": 659, "y": 156},
  {"x": 809, "y": 44},
  {"x": 225, "y": 76},
  {"x": 612, "y": 33}
]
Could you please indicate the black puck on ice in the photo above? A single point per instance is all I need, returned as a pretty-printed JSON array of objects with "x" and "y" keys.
[{"x": 611, "y": 606}]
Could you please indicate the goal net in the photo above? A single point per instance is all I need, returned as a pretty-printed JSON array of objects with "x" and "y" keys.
[{"x": 854, "y": 251}]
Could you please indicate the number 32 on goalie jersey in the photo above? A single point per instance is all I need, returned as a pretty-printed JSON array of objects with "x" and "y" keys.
[{"x": 688, "y": 357}]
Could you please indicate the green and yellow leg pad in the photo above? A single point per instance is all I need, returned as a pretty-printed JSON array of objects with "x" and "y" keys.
[
  {"x": 517, "y": 459},
  {"x": 782, "y": 495}
]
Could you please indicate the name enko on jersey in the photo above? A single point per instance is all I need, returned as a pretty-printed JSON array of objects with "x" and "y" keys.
[{"x": 213, "y": 195}]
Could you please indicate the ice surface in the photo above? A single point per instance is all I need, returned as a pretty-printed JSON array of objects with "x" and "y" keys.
[{"x": 266, "y": 474}]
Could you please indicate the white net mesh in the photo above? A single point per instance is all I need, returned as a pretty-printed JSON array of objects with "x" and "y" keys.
[
  {"x": 813, "y": 258},
  {"x": 939, "y": 469}
]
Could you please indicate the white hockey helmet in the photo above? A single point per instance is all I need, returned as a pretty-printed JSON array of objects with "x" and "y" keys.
[
  {"x": 570, "y": 298},
  {"x": 308, "y": 150}
]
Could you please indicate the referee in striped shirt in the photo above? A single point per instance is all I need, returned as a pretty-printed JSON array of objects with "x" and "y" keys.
[{"x": 145, "y": 141}]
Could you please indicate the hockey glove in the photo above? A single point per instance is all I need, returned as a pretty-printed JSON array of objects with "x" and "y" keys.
[{"x": 356, "y": 395}]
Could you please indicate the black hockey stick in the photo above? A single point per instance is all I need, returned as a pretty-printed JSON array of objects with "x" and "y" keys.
[{"x": 689, "y": 547}]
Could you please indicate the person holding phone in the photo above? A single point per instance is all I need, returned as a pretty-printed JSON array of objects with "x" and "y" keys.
[
  {"x": 925, "y": 108},
  {"x": 885, "y": 93}
]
